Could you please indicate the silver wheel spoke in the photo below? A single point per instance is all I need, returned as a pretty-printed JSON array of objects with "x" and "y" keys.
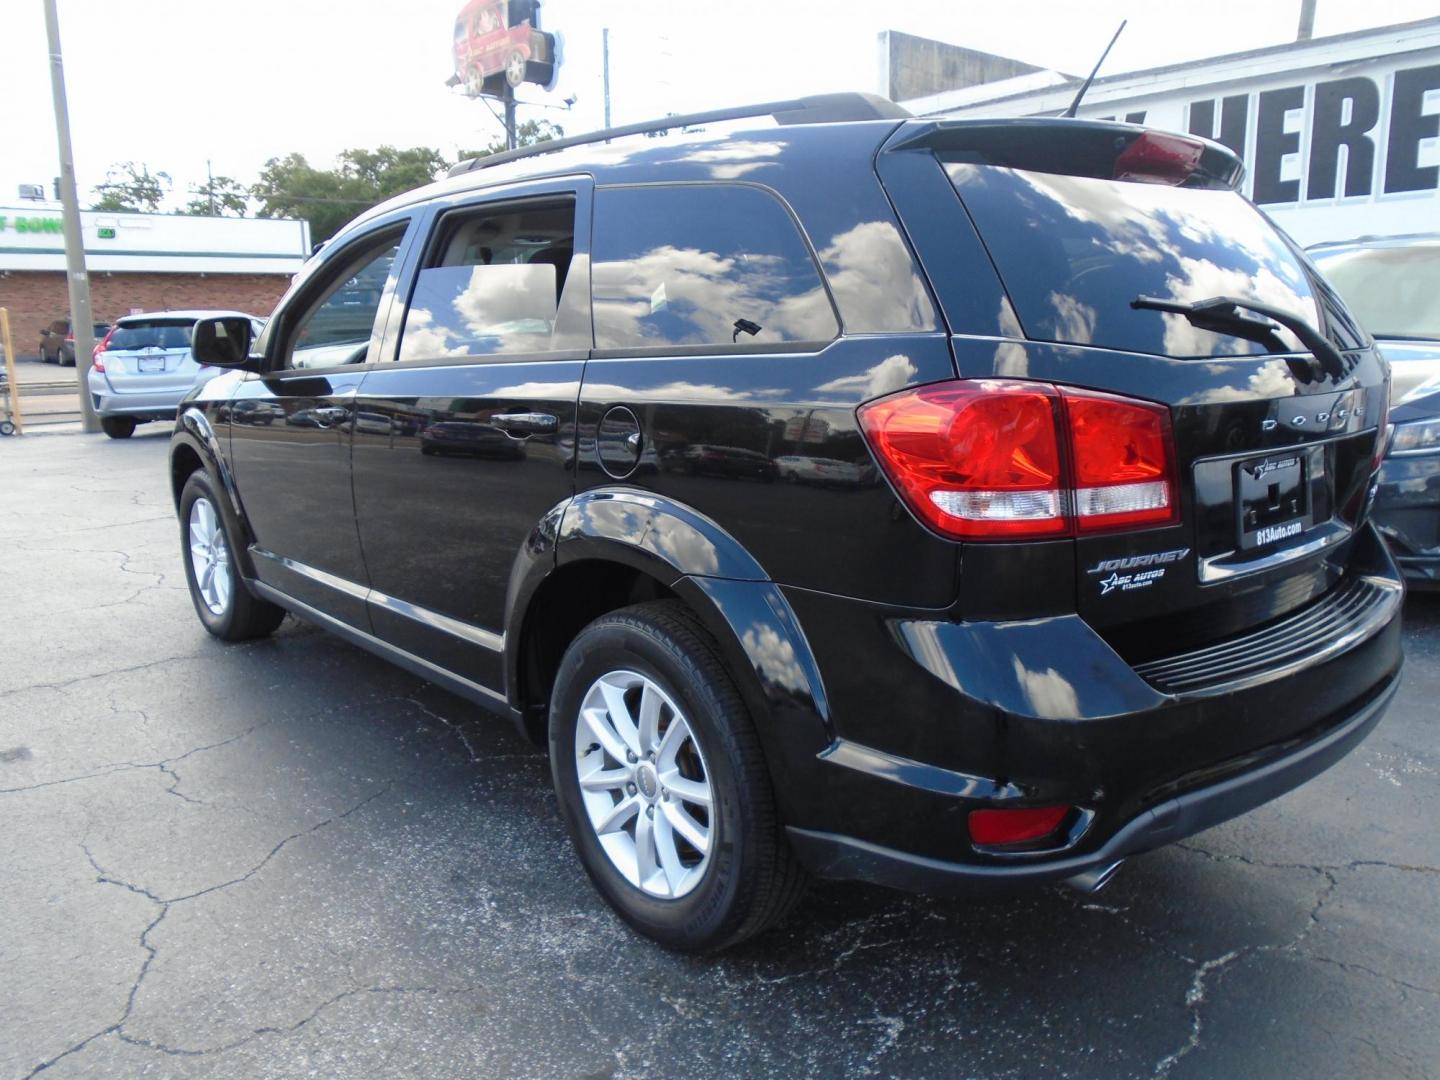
[
  {"x": 593, "y": 721},
  {"x": 697, "y": 836},
  {"x": 645, "y": 861},
  {"x": 669, "y": 857},
  {"x": 691, "y": 791},
  {"x": 602, "y": 779},
  {"x": 620, "y": 718},
  {"x": 649, "y": 718},
  {"x": 622, "y": 812},
  {"x": 675, "y": 736}
]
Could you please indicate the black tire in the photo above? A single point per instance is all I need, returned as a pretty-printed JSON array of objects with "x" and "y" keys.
[
  {"x": 7, "y": 427},
  {"x": 752, "y": 879},
  {"x": 246, "y": 616},
  {"x": 118, "y": 427}
]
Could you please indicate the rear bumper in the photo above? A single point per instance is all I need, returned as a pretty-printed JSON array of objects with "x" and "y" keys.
[
  {"x": 932, "y": 719},
  {"x": 163, "y": 405},
  {"x": 831, "y": 856}
]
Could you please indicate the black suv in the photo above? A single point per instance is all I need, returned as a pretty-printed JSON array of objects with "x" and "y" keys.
[{"x": 1091, "y": 571}]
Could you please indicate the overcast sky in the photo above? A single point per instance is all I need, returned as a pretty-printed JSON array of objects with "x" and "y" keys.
[{"x": 172, "y": 83}]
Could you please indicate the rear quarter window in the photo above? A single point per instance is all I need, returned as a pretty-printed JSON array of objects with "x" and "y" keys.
[
  {"x": 703, "y": 264},
  {"x": 1073, "y": 252}
]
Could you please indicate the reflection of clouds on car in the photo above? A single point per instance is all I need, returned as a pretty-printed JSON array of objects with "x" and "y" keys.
[
  {"x": 874, "y": 280},
  {"x": 775, "y": 657},
  {"x": 891, "y": 374}
]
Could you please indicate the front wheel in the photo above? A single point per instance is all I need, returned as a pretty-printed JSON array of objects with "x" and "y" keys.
[
  {"x": 224, "y": 603},
  {"x": 663, "y": 785},
  {"x": 118, "y": 427}
]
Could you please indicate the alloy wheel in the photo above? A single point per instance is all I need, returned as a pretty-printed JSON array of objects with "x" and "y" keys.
[
  {"x": 644, "y": 784},
  {"x": 209, "y": 556}
]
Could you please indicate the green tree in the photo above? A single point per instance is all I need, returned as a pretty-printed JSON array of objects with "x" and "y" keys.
[
  {"x": 527, "y": 133},
  {"x": 290, "y": 186},
  {"x": 132, "y": 188},
  {"x": 218, "y": 197}
]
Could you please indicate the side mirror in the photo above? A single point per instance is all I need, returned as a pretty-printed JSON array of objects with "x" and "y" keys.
[{"x": 222, "y": 342}]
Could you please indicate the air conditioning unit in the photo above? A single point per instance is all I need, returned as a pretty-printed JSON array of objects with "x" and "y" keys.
[{"x": 33, "y": 191}]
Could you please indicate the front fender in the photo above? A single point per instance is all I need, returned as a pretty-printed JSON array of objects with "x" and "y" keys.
[{"x": 194, "y": 430}]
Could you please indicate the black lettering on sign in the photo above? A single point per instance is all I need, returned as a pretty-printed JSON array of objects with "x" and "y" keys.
[
  {"x": 1273, "y": 142},
  {"x": 1234, "y": 114},
  {"x": 1329, "y": 130},
  {"x": 1409, "y": 124}
]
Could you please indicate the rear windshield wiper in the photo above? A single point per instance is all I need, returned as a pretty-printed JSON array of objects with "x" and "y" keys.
[{"x": 1226, "y": 315}]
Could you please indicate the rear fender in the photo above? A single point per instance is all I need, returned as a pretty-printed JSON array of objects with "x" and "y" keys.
[{"x": 692, "y": 556}]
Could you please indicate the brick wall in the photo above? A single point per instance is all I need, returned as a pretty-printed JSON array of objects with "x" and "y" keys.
[{"x": 36, "y": 298}]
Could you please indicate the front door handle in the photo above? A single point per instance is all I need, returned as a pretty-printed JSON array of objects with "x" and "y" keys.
[{"x": 526, "y": 423}]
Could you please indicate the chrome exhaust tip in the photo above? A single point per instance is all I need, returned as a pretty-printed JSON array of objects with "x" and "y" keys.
[{"x": 1093, "y": 880}]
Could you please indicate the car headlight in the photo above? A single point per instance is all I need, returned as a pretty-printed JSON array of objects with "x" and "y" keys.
[{"x": 1416, "y": 437}]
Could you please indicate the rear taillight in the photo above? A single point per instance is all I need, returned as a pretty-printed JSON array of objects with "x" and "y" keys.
[
  {"x": 95, "y": 361},
  {"x": 1159, "y": 158},
  {"x": 995, "y": 459},
  {"x": 996, "y": 828}
]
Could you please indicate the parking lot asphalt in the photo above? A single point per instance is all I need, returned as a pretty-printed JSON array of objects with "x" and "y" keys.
[{"x": 289, "y": 859}]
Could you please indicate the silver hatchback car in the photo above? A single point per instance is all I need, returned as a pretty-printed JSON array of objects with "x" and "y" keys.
[{"x": 143, "y": 368}]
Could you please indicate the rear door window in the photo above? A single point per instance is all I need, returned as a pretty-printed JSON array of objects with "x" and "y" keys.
[
  {"x": 1074, "y": 251},
  {"x": 703, "y": 264},
  {"x": 492, "y": 285}
]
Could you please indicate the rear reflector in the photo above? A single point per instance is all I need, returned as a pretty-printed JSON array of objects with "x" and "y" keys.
[
  {"x": 1004, "y": 459},
  {"x": 992, "y": 828}
]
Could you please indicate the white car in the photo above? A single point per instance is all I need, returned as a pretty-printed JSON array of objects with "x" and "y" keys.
[
  {"x": 143, "y": 368},
  {"x": 800, "y": 469}
]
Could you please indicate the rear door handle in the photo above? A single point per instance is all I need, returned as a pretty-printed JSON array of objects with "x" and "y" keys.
[
  {"x": 526, "y": 423},
  {"x": 332, "y": 414}
]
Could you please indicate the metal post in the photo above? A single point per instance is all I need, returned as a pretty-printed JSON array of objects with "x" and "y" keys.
[
  {"x": 1306, "y": 29},
  {"x": 605, "y": 47},
  {"x": 82, "y": 326}
]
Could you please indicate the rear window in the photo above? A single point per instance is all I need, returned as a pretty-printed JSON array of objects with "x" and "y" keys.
[
  {"x": 152, "y": 335},
  {"x": 1075, "y": 250}
]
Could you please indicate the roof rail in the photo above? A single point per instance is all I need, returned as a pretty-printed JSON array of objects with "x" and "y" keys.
[{"x": 817, "y": 109}]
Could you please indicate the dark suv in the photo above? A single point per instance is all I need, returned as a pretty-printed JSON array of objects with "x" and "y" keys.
[{"x": 1100, "y": 575}]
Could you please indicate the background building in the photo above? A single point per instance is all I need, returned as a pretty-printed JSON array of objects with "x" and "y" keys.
[
  {"x": 143, "y": 262},
  {"x": 1340, "y": 135}
]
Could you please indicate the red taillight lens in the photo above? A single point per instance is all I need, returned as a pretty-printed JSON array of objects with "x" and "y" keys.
[
  {"x": 95, "y": 361},
  {"x": 974, "y": 459},
  {"x": 1121, "y": 454},
  {"x": 993, "y": 828},
  {"x": 997, "y": 459},
  {"x": 1159, "y": 158}
]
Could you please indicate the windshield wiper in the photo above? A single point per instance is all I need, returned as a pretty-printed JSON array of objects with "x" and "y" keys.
[{"x": 1226, "y": 315}]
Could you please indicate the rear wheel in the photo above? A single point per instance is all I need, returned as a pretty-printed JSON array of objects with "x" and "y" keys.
[
  {"x": 224, "y": 603},
  {"x": 663, "y": 784},
  {"x": 118, "y": 427}
]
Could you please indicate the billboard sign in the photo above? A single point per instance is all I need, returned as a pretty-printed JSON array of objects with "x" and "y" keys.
[{"x": 499, "y": 46}]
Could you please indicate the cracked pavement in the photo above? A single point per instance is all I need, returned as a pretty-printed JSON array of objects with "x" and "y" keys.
[{"x": 288, "y": 858}]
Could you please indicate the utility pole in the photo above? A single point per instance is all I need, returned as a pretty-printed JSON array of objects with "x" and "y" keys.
[
  {"x": 605, "y": 47},
  {"x": 81, "y": 323},
  {"x": 1307, "y": 21}
]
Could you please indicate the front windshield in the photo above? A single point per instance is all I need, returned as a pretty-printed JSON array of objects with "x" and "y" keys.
[{"x": 1393, "y": 291}]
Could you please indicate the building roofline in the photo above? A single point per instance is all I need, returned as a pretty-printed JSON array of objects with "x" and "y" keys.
[{"x": 952, "y": 99}]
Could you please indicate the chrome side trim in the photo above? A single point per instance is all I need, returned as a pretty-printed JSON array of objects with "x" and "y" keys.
[
  {"x": 486, "y": 639},
  {"x": 412, "y": 663},
  {"x": 475, "y": 635},
  {"x": 333, "y": 581}
]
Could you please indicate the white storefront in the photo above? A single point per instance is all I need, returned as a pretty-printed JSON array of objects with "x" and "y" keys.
[{"x": 1340, "y": 135}]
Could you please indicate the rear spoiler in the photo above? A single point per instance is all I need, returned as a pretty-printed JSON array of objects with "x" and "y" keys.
[{"x": 1096, "y": 148}]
